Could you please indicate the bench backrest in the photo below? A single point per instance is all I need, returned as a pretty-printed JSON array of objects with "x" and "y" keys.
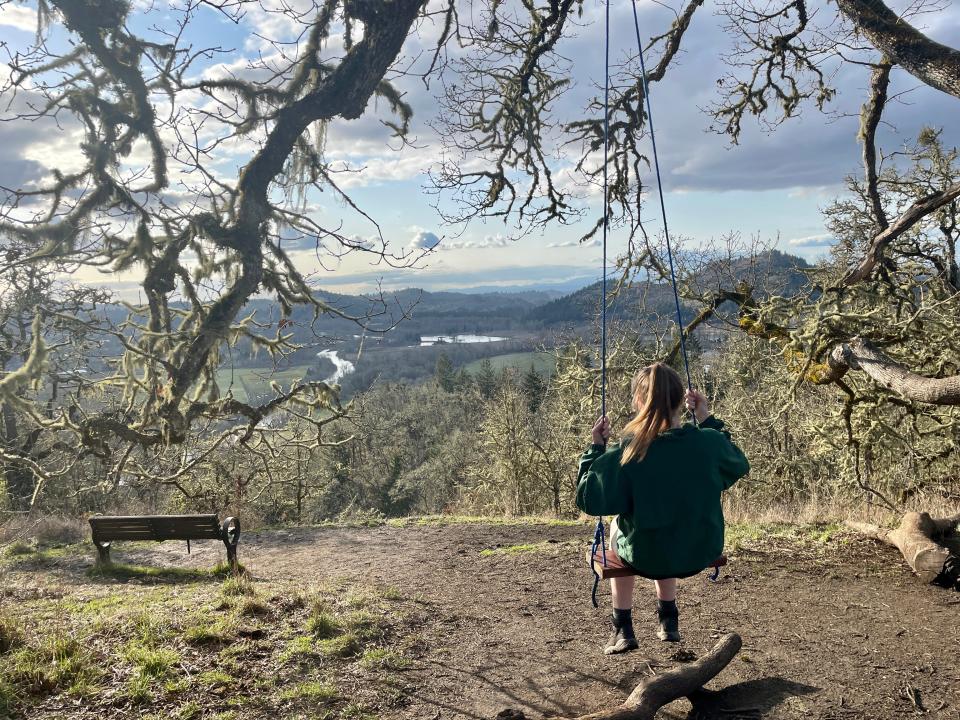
[{"x": 155, "y": 527}]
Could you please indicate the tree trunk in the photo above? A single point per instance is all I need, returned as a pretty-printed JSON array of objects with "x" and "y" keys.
[
  {"x": 655, "y": 692},
  {"x": 859, "y": 354},
  {"x": 915, "y": 539}
]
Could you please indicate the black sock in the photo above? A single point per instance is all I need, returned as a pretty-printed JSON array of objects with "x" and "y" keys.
[
  {"x": 667, "y": 608},
  {"x": 623, "y": 622}
]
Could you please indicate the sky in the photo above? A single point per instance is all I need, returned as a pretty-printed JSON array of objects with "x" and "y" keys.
[{"x": 772, "y": 185}]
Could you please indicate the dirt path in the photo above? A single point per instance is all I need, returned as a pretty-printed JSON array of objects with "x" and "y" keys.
[{"x": 838, "y": 631}]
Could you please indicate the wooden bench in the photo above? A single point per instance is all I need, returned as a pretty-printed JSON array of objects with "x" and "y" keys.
[
  {"x": 106, "y": 529},
  {"x": 615, "y": 568}
]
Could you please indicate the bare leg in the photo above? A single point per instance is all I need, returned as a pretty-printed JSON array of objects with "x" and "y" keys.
[
  {"x": 621, "y": 590},
  {"x": 666, "y": 589}
]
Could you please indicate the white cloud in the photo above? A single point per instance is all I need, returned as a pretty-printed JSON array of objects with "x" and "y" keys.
[
  {"x": 595, "y": 242},
  {"x": 819, "y": 240},
  {"x": 424, "y": 240},
  {"x": 490, "y": 241},
  {"x": 20, "y": 18}
]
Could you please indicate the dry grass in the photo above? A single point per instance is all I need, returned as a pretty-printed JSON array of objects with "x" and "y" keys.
[{"x": 48, "y": 530}]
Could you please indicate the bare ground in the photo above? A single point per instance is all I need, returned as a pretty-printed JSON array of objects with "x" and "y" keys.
[{"x": 835, "y": 629}]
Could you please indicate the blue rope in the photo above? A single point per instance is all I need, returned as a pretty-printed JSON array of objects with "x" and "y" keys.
[
  {"x": 663, "y": 209},
  {"x": 598, "y": 535},
  {"x": 606, "y": 151},
  {"x": 598, "y": 541}
]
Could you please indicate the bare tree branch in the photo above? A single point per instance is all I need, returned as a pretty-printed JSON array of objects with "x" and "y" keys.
[{"x": 930, "y": 62}]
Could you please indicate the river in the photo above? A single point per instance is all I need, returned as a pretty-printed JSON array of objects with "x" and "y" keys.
[{"x": 343, "y": 367}]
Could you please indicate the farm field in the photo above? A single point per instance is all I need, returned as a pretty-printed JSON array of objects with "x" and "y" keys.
[
  {"x": 544, "y": 363},
  {"x": 392, "y": 621},
  {"x": 244, "y": 381}
]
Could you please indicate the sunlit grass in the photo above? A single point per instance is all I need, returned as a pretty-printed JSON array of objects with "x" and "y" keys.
[
  {"x": 428, "y": 520},
  {"x": 529, "y": 548}
]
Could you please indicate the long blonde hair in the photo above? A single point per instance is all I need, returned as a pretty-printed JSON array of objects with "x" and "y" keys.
[{"x": 657, "y": 395}]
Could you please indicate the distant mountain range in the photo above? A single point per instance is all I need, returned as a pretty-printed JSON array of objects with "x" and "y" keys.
[{"x": 523, "y": 314}]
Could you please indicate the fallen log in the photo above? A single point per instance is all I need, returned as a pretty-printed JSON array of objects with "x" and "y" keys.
[
  {"x": 655, "y": 692},
  {"x": 916, "y": 539}
]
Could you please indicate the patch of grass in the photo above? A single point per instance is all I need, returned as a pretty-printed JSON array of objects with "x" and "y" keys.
[
  {"x": 543, "y": 362},
  {"x": 205, "y": 631},
  {"x": 311, "y": 691},
  {"x": 58, "y": 664},
  {"x": 391, "y": 593},
  {"x": 383, "y": 659},
  {"x": 149, "y": 630},
  {"x": 138, "y": 689},
  {"x": 347, "y": 645},
  {"x": 747, "y": 535},
  {"x": 237, "y": 586},
  {"x": 357, "y": 711},
  {"x": 10, "y": 635},
  {"x": 254, "y": 607},
  {"x": 176, "y": 685},
  {"x": 527, "y": 548},
  {"x": 122, "y": 571},
  {"x": 224, "y": 569},
  {"x": 8, "y": 697},
  {"x": 97, "y": 606},
  {"x": 430, "y": 520},
  {"x": 19, "y": 549},
  {"x": 190, "y": 711},
  {"x": 215, "y": 679},
  {"x": 321, "y": 623},
  {"x": 363, "y": 624},
  {"x": 34, "y": 557},
  {"x": 300, "y": 647},
  {"x": 154, "y": 663},
  {"x": 826, "y": 533},
  {"x": 359, "y": 599}
]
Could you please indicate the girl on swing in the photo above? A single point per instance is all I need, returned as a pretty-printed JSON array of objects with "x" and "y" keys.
[{"x": 663, "y": 483}]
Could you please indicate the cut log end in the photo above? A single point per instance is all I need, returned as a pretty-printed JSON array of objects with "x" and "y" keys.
[{"x": 916, "y": 539}]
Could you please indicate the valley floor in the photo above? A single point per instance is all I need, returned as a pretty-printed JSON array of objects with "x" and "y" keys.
[{"x": 437, "y": 621}]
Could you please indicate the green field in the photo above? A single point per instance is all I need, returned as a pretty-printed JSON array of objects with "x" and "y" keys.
[
  {"x": 543, "y": 363},
  {"x": 256, "y": 380}
]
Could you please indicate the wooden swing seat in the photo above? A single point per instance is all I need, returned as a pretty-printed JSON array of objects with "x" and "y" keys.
[{"x": 616, "y": 568}]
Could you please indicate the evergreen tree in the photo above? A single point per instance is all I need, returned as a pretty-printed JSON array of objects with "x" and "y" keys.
[
  {"x": 444, "y": 374},
  {"x": 534, "y": 387},
  {"x": 486, "y": 378}
]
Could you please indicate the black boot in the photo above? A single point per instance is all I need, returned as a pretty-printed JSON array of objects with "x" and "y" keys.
[
  {"x": 669, "y": 617},
  {"x": 622, "y": 640}
]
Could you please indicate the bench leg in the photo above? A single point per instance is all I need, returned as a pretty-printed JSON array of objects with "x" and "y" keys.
[
  {"x": 232, "y": 557},
  {"x": 230, "y": 532},
  {"x": 103, "y": 553}
]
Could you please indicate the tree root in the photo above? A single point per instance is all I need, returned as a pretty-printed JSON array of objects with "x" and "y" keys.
[{"x": 655, "y": 692}]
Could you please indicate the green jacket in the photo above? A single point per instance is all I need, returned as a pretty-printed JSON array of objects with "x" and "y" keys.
[{"x": 670, "y": 517}]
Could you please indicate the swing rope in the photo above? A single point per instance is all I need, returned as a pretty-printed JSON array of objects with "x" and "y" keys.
[
  {"x": 663, "y": 208},
  {"x": 599, "y": 536}
]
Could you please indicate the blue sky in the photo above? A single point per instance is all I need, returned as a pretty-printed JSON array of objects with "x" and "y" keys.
[{"x": 772, "y": 186}]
